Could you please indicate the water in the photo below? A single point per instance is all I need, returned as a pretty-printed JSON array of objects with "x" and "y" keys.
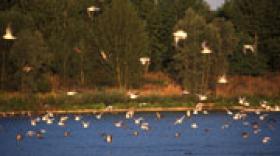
[{"x": 208, "y": 139}]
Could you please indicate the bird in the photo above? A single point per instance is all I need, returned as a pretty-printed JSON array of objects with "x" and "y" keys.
[
  {"x": 194, "y": 125},
  {"x": 19, "y": 137},
  {"x": 248, "y": 47},
  {"x": 78, "y": 118},
  {"x": 135, "y": 133},
  {"x": 188, "y": 113},
  {"x": 8, "y": 35},
  {"x": 202, "y": 97},
  {"x": 98, "y": 116},
  {"x": 108, "y": 138},
  {"x": 145, "y": 126},
  {"x": 138, "y": 120},
  {"x": 179, "y": 120},
  {"x": 129, "y": 114},
  {"x": 266, "y": 139},
  {"x": 245, "y": 135},
  {"x": 85, "y": 124},
  {"x": 33, "y": 122},
  {"x": 179, "y": 35},
  {"x": 30, "y": 133},
  {"x": 132, "y": 95},
  {"x": 177, "y": 134},
  {"x": 66, "y": 134},
  {"x": 205, "y": 48},
  {"x": 119, "y": 124},
  {"x": 158, "y": 115},
  {"x": 222, "y": 79}
]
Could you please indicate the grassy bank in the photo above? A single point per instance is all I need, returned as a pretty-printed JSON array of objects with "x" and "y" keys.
[{"x": 100, "y": 100}]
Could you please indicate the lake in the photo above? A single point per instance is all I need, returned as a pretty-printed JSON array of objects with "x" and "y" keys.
[{"x": 216, "y": 134}]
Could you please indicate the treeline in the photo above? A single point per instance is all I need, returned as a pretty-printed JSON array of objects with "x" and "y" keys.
[{"x": 96, "y": 43}]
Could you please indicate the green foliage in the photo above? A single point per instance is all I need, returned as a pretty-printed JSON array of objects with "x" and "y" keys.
[{"x": 122, "y": 38}]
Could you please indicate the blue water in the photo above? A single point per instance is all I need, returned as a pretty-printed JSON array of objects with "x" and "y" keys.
[{"x": 208, "y": 139}]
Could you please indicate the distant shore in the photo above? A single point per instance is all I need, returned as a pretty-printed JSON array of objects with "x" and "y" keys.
[{"x": 147, "y": 109}]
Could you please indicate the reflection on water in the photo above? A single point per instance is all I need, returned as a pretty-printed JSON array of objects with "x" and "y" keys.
[{"x": 215, "y": 134}]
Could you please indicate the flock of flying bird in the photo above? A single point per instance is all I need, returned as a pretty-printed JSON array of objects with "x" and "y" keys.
[{"x": 49, "y": 118}]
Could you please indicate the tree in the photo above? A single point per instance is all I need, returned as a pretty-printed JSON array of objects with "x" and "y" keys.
[
  {"x": 31, "y": 58},
  {"x": 121, "y": 39},
  {"x": 256, "y": 22}
]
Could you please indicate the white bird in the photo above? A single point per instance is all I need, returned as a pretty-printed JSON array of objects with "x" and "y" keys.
[
  {"x": 138, "y": 120},
  {"x": 144, "y": 60},
  {"x": 78, "y": 118},
  {"x": 158, "y": 115},
  {"x": 222, "y": 79},
  {"x": 33, "y": 122},
  {"x": 202, "y": 97},
  {"x": 266, "y": 139},
  {"x": 229, "y": 112},
  {"x": 180, "y": 120},
  {"x": 119, "y": 124},
  {"x": 98, "y": 116},
  {"x": 194, "y": 125},
  {"x": 61, "y": 123},
  {"x": 179, "y": 35},
  {"x": 247, "y": 47},
  {"x": 262, "y": 117},
  {"x": 132, "y": 95},
  {"x": 205, "y": 48},
  {"x": 103, "y": 55},
  {"x": 8, "y": 35},
  {"x": 71, "y": 93},
  {"x": 85, "y": 124},
  {"x": 93, "y": 9},
  {"x": 129, "y": 114},
  {"x": 188, "y": 113},
  {"x": 241, "y": 100},
  {"x": 185, "y": 92},
  {"x": 109, "y": 138},
  {"x": 145, "y": 126}
]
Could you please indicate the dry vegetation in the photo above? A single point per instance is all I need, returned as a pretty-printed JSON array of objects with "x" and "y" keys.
[{"x": 268, "y": 85}]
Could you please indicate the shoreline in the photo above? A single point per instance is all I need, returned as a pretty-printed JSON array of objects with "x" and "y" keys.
[{"x": 143, "y": 110}]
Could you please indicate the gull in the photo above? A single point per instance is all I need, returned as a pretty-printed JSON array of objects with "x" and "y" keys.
[
  {"x": 135, "y": 133},
  {"x": 138, "y": 120},
  {"x": 205, "y": 48},
  {"x": 188, "y": 113},
  {"x": 8, "y": 35},
  {"x": 222, "y": 79},
  {"x": 180, "y": 120},
  {"x": 78, "y": 118},
  {"x": 33, "y": 122},
  {"x": 185, "y": 92},
  {"x": 229, "y": 112},
  {"x": 98, "y": 116},
  {"x": 245, "y": 135},
  {"x": 63, "y": 118},
  {"x": 177, "y": 134},
  {"x": 277, "y": 108},
  {"x": 263, "y": 104},
  {"x": 194, "y": 125},
  {"x": 247, "y": 47},
  {"x": 129, "y": 114},
  {"x": 145, "y": 126},
  {"x": 60, "y": 123},
  {"x": 108, "y": 138},
  {"x": 241, "y": 100},
  {"x": 93, "y": 9},
  {"x": 195, "y": 111},
  {"x": 71, "y": 93},
  {"x": 262, "y": 117},
  {"x": 85, "y": 124},
  {"x": 66, "y": 134},
  {"x": 103, "y": 55},
  {"x": 202, "y": 97},
  {"x": 179, "y": 35},
  {"x": 205, "y": 112},
  {"x": 158, "y": 115},
  {"x": 119, "y": 123},
  {"x": 19, "y": 137},
  {"x": 132, "y": 95},
  {"x": 49, "y": 121},
  {"x": 266, "y": 139},
  {"x": 145, "y": 60},
  {"x": 30, "y": 133}
]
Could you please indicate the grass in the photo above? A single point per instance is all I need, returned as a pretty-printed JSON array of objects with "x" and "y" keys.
[{"x": 102, "y": 99}]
